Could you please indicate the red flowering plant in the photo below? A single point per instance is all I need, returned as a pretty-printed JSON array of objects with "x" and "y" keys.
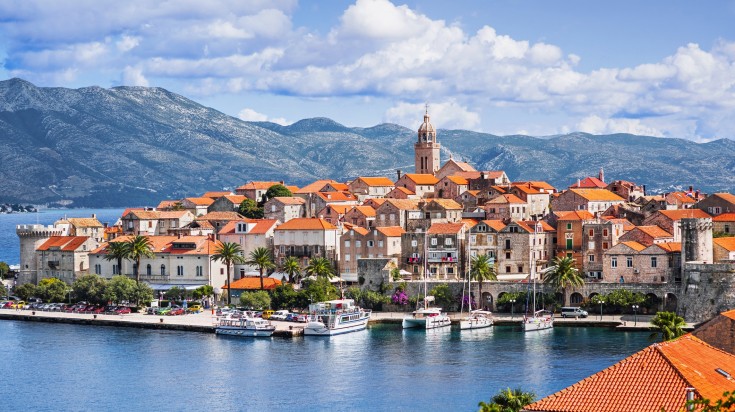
[{"x": 400, "y": 297}]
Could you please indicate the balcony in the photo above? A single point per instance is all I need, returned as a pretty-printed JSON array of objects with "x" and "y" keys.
[
  {"x": 413, "y": 260},
  {"x": 449, "y": 259}
]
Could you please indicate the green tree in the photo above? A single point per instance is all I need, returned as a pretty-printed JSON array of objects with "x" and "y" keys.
[
  {"x": 262, "y": 258},
  {"x": 562, "y": 274},
  {"x": 4, "y": 270},
  {"x": 203, "y": 292},
  {"x": 90, "y": 288},
  {"x": 725, "y": 403},
  {"x": 443, "y": 296},
  {"x": 117, "y": 251},
  {"x": 175, "y": 293},
  {"x": 482, "y": 269},
  {"x": 667, "y": 324},
  {"x": 292, "y": 268},
  {"x": 257, "y": 300},
  {"x": 284, "y": 297},
  {"x": 52, "y": 290},
  {"x": 508, "y": 400},
  {"x": 228, "y": 253},
  {"x": 137, "y": 248},
  {"x": 316, "y": 290},
  {"x": 320, "y": 267},
  {"x": 143, "y": 294},
  {"x": 24, "y": 291},
  {"x": 249, "y": 208},
  {"x": 121, "y": 289},
  {"x": 277, "y": 191}
]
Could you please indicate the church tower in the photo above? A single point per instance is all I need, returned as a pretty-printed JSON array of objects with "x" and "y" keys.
[{"x": 426, "y": 149}]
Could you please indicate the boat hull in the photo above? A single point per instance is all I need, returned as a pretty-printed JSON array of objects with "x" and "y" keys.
[
  {"x": 245, "y": 332},
  {"x": 431, "y": 322},
  {"x": 320, "y": 329},
  {"x": 475, "y": 323},
  {"x": 533, "y": 324}
]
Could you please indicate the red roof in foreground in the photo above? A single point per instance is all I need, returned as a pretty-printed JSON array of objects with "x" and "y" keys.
[
  {"x": 653, "y": 379},
  {"x": 253, "y": 283}
]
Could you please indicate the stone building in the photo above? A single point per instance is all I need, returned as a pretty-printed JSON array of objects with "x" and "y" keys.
[
  {"x": 506, "y": 207},
  {"x": 397, "y": 212},
  {"x": 227, "y": 203},
  {"x": 363, "y": 216},
  {"x": 569, "y": 233},
  {"x": 427, "y": 150},
  {"x": 420, "y": 184},
  {"x": 717, "y": 204},
  {"x": 366, "y": 187},
  {"x": 594, "y": 201},
  {"x": 452, "y": 167},
  {"x": 64, "y": 257},
  {"x": 284, "y": 208},
  {"x": 537, "y": 200},
  {"x": 358, "y": 243},
  {"x": 696, "y": 240},
  {"x": 255, "y": 190},
  {"x": 724, "y": 224},
  {"x": 31, "y": 237},
  {"x": 445, "y": 250},
  {"x": 306, "y": 238},
  {"x": 218, "y": 220},
  {"x": 669, "y": 220},
  {"x": 484, "y": 239},
  {"x": 647, "y": 235},
  {"x": 633, "y": 262},
  {"x": 153, "y": 222},
  {"x": 627, "y": 190},
  {"x": 197, "y": 205},
  {"x": 250, "y": 234},
  {"x": 449, "y": 187},
  {"x": 723, "y": 249},
  {"x": 524, "y": 247},
  {"x": 597, "y": 237}
]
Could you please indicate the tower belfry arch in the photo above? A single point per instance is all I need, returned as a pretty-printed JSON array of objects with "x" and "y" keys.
[{"x": 427, "y": 149}]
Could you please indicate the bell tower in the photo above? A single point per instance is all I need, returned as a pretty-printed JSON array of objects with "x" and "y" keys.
[{"x": 427, "y": 149}]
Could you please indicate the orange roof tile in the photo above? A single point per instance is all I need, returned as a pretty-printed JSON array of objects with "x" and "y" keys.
[
  {"x": 725, "y": 217},
  {"x": 422, "y": 179},
  {"x": 526, "y": 188},
  {"x": 253, "y": 283},
  {"x": 669, "y": 246},
  {"x": 597, "y": 195},
  {"x": 574, "y": 215},
  {"x": 530, "y": 226},
  {"x": 306, "y": 223},
  {"x": 376, "y": 181},
  {"x": 445, "y": 228},
  {"x": 290, "y": 200},
  {"x": 84, "y": 222},
  {"x": 258, "y": 185},
  {"x": 459, "y": 180},
  {"x": 340, "y": 209},
  {"x": 165, "y": 204},
  {"x": 654, "y": 231},
  {"x": 368, "y": 211},
  {"x": 337, "y": 196},
  {"x": 589, "y": 183},
  {"x": 404, "y": 190},
  {"x": 262, "y": 226},
  {"x": 292, "y": 189},
  {"x": 235, "y": 199},
  {"x": 315, "y": 186},
  {"x": 447, "y": 203},
  {"x": 63, "y": 243},
  {"x": 340, "y": 187},
  {"x": 403, "y": 204},
  {"x": 679, "y": 214},
  {"x": 216, "y": 195},
  {"x": 633, "y": 245},
  {"x": 728, "y": 243},
  {"x": 221, "y": 216},
  {"x": 538, "y": 184},
  {"x": 374, "y": 202},
  {"x": 200, "y": 201},
  {"x": 506, "y": 198},
  {"x": 496, "y": 224},
  {"x": 653, "y": 379},
  {"x": 499, "y": 189},
  {"x": 360, "y": 230},
  {"x": 627, "y": 225},
  {"x": 726, "y": 197},
  {"x": 391, "y": 231},
  {"x": 470, "y": 222}
]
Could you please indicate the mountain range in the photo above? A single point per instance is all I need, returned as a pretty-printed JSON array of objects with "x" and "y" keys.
[{"x": 131, "y": 146}]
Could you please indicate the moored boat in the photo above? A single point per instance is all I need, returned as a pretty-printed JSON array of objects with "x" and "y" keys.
[
  {"x": 245, "y": 326},
  {"x": 335, "y": 317},
  {"x": 426, "y": 318},
  {"x": 541, "y": 319},
  {"x": 477, "y": 319}
]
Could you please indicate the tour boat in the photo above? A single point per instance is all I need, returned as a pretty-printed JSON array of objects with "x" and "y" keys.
[
  {"x": 540, "y": 319},
  {"x": 335, "y": 317},
  {"x": 477, "y": 319},
  {"x": 245, "y": 326}
]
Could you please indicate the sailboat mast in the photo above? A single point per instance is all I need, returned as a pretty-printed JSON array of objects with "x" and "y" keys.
[
  {"x": 469, "y": 275},
  {"x": 533, "y": 266},
  {"x": 426, "y": 268}
]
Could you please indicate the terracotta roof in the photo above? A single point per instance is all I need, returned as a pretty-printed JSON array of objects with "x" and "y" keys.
[
  {"x": 574, "y": 215},
  {"x": 361, "y": 230},
  {"x": 216, "y": 195},
  {"x": 404, "y": 190},
  {"x": 340, "y": 187},
  {"x": 728, "y": 243},
  {"x": 235, "y": 199},
  {"x": 499, "y": 189},
  {"x": 654, "y": 231},
  {"x": 374, "y": 202},
  {"x": 306, "y": 223},
  {"x": 365, "y": 210},
  {"x": 669, "y": 246},
  {"x": 529, "y": 226},
  {"x": 290, "y": 200},
  {"x": 470, "y": 222},
  {"x": 526, "y": 188},
  {"x": 469, "y": 175},
  {"x": 337, "y": 196},
  {"x": 165, "y": 204},
  {"x": 599, "y": 195},
  {"x": 464, "y": 166},
  {"x": 459, "y": 180},
  {"x": 164, "y": 244},
  {"x": 445, "y": 228},
  {"x": 221, "y": 216},
  {"x": 200, "y": 224},
  {"x": 633, "y": 245},
  {"x": 422, "y": 179},
  {"x": 391, "y": 231},
  {"x": 200, "y": 201},
  {"x": 253, "y": 283},
  {"x": 506, "y": 198},
  {"x": 262, "y": 226},
  {"x": 653, "y": 379},
  {"x": 84, "y": 222},
  {"x": 472, "y": 193},
  {"x": 627, "y": 225},
  {"x": 174, "y": 214},
  {"x": 726, "y": 197},
  {"x": 403, "y": 204},
  {"x": 446, "y": 203},
  {"x": 314, "y": 187},
  {"x": 538, "y": 184},
  {"x": 258, "y": 185},
  {"x": 292, "y": 189},
  {"x": 589, "y": 183},
  {"x": 496, "y": 224},
  {"x": 63, "y": 243},
  {"x": 376, "y": 181},
  {"x": 682, "y": 197},
  {"x": 340, "y": 209},
  {"x": 725, "y": 217},
  {"x": 679, "y": 214}
]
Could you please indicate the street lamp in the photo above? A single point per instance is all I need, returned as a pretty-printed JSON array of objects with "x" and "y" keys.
[
  {"x": 602, "y": 302},
  {"x": 512, "y": 303},
  {"x": 635, "y": 314}
]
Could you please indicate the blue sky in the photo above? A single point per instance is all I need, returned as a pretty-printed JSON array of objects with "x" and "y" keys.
[{"x": 660, "y": 68}]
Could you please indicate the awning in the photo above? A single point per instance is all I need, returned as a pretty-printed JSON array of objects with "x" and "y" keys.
[
  {"x": 349, "y": 277},
  {"x": 161, "y": 286}
]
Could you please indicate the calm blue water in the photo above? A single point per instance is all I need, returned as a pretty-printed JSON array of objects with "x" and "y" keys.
[
  {"x": 9, "y": 246},
  {"x": 50, "y": 367}
]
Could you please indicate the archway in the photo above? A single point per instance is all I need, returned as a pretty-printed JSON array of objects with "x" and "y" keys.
[
  {"x": 576, "y": 299},
  {"x": 592, "y": 295},
  {"x": 652, "y": 303},
  {"x": 671, "y": 302},
  {"x": 487, "y": 301}
]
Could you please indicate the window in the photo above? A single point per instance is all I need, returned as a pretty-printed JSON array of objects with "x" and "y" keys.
[
  {"x": 433, "y": 241},
  {"x": 614, "y": 262},
  {"x": 507, "y": 255},
  {"x": 604, "y": 245},
  {"x": 654, "y": 262},
  {"x": 433, "y": 271},
  {"x": 179, "y": 271},
  {"x": 473, "y": 239},
  {"x": 115, "y": 270},
  {"x": 507, "y": 243},
  {"x": 380, "y": 243},
  {"x": 148, "y": 270},
  {"x": 591, "y": 232},
  {"x": 507, "y": 269},
  {"x": 392, "y": 216},
  {"x": 604, "y": 232},
  {"x": 727, "y": 228},
  {"x": 163, "y": 270},
  {"x": 590, "y": 245},
  {"x": 629, "y": 261},
  {"x": 98, "y": 269},
  {"x": 415, "y": 269},
  {"x": 570, "y": 244},
  {"x": 520, "y": 268},
  {"x": 569, "y": 226},
  {"x": 450, "y": 271},
  {"x": 358, "y": 243},
  {"x": 199, "y": 271},
  {"x": 591, "y": 258},
  {"x": 448, "y": 241},
  {"x": 347, "y": 257},
  {"x": 370, "y": 243},
  {"x": 490, "y": 240},
  {"x": 414, "y": 243},
  {"x": 347, "y": 243}
]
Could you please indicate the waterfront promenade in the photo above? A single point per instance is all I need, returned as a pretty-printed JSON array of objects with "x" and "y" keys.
[{"x": 204, "y": 322}]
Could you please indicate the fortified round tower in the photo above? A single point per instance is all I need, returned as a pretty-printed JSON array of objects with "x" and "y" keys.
[
  {"x": 31, "y": 237},
  {"x": 696, "y": 240}
]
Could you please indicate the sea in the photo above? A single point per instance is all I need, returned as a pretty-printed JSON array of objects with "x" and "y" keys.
[
  {"x": 9, "y": 245},
  {"x": 58, "y": 367}
]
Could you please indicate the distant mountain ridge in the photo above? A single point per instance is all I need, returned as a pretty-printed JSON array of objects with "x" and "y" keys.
[{"x": 129, "y": 146}]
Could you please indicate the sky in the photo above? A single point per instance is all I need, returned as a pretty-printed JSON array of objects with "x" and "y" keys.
[{"x": 662, "y": 68}]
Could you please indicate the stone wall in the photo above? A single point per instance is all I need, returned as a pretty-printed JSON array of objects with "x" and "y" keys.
[{"x": 707, "y": 290}]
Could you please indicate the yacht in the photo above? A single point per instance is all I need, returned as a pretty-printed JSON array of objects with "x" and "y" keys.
[
  {"x": 477, "y": 319},
  {"x": 427, "y": 317},
  {"x": 335, "y": 317},
  {"x": 540, "y": 319},
  {"x": 244, "y": 326}
]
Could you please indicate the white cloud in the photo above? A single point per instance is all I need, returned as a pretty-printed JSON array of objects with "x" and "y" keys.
[
  {"x": 250, "y": 115},
  {"x": 133, "y": 76},
  {"x": 127, "y": 43},
  {"x": 445, "y": 115},
  {"x": 597, "y": 125}
]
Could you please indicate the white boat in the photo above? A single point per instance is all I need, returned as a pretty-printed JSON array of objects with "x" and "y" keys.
[
  {"x": 477, "y": 319},
  {"x": 541, "y": 319},
  {"x": 427, "y": 318},
  {"x": 335, "y": 317},
  {"x": 255, "y": 327}
]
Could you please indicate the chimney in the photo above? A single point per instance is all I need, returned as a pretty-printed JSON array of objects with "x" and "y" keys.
[
  {"x": 691, "y": 189},
  {"x": 281, "y": 182},
  {"x": 601, "y": 176},
  {"x": 696, "y": 194},
  {"x": 644, "y": 190},
  {"x": 579, "y": 183},
  {"x": 690, "y": 398},
  {"x": 398, "y": 172},
  {"x": 482, "y": 175}
]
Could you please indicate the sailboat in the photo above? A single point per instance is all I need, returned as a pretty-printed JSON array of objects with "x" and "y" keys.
[
  {"x": 426, "y": 317},
  {"x": 476, "y": 319},
  {"x": 541, "y": 319}
]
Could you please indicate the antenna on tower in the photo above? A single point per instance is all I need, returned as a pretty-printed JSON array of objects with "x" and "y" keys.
[{"x": 427, "y": 107}]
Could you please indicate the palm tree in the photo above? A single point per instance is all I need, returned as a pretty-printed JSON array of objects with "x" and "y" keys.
[
  {"x": 668, "y": 324},
  {"x": 262, "y": 258},
  {"x": 320, "y": 267},
  {"x": 228, "y": 253},
  {"x": 482, "y": 269},
  {"x": 137, "y": 248},
  {"x": 117, "y": 251},
  {"x": 562, "y": 274},
  {"x": 508, "y": 400},
  {"x": 292, "y": 268}
]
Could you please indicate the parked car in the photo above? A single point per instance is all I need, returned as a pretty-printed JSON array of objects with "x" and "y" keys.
[
  {"x": 176, "y": 312},
  {"x": 19, "y": 304},
  {"x": 122, "y": 310},
  {"x": 99, "y": 309},
  {"x": 194, "y": 309},
  {"x": 164, "y": 311},
  {"x": 267, "y": 314},
  {"x": 6, "y": 304},
  {"x": 302, "y": 318},
  {"x": 279, "y": 315},
  {"x": 291, "y": 317}
]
